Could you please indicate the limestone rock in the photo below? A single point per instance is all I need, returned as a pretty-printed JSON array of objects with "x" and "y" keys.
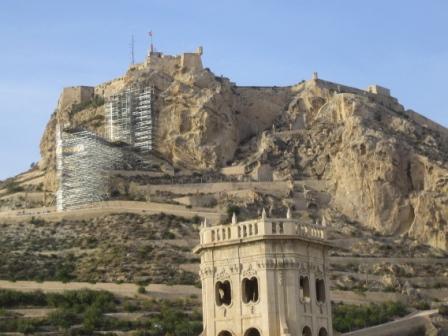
[{"x": 383, "y": 166}]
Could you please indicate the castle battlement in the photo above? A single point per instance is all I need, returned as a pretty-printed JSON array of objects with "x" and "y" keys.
[{"x": 169, "y": 63}]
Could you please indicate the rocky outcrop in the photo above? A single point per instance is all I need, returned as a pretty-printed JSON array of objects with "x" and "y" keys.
[
  {"x": 383, "y": 166},
  {"x": 201, "y": 118}
]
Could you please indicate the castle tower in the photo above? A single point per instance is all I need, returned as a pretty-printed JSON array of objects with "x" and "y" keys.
[{"x": 265, "y": 277}]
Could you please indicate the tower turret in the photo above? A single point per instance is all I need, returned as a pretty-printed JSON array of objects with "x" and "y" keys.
[{"x": 267, "y": 277}]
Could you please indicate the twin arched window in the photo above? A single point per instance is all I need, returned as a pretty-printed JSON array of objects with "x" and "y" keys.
[
  {"x": 304, "y": 289},
  {"x": 223, "y": 291}
]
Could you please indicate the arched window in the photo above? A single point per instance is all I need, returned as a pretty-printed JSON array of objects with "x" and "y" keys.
[
  {"x": 225, "y": 333},
  {"x": 250, "y": 290},
  {"x": 304, "y": 288},
  {"x": 306, "y": 331},
  {"x": 244, "y": 231},
  {"x": 229, "y": 233},
  {"x": 320, "y": 290},
  {"x": 274, "y": 227},
  {"x": 280, "y": 227},
  {"x": 252, "y": 332},
  {"x": 323, "y": 332},
  {"x": 213, "y": 235},
  {"x": 223, "y": 293}
]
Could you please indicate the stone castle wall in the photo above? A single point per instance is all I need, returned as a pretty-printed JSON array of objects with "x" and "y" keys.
[{"x": 75, "y": 95}]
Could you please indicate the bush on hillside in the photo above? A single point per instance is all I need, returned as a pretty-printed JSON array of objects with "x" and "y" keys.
[{"x": 348, "y": 317}]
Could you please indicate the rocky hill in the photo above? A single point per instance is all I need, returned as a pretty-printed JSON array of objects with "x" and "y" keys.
[
  {"x": 383, "y": 166},
  {"x": 355, "y": 160}
]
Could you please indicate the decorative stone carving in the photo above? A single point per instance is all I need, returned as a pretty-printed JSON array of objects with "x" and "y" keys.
[
  {"x": 206, "y": 271},
  {"x": 222, "y": 274},
  {"x": 235, "y": 268},
  {"x": 249, "y": 272},
  {"x": 268, "y": 263},
  {"x": 317, "y": 270},
  {"x": 303, "y": 267}
]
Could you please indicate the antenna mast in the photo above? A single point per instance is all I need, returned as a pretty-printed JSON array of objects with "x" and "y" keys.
[
  {"x": 132, "y": 50},
  {"x": 151, "y": 49}
]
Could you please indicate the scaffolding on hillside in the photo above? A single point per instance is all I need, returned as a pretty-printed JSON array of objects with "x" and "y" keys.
[
  {"x": 83, "y": 161},
  {"x": 130, "y": 118}
]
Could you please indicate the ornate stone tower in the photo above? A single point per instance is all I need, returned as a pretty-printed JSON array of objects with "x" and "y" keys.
[{"x": 265, "y": 277}]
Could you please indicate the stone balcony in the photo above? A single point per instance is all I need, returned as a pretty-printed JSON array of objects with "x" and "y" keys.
[{"x": 263, "y": 227}]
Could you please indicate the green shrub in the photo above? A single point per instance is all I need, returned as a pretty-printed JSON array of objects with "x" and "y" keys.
[
  {"x": 141, "y": 290},
  {"x": 348, "y": 317},
  {"x": 95, "y": 102},
  {"x": 173, "y": 321},
  {"x": 168, "y": 235},
  {"x": 10, "y": 299},
  {"x": 37, "y": 221},
  {"x": 93, "y": 318},
  {"x": 63, "y": 318},
  {"x": 27, "y": 327},
  {"x": 131, "y": 307},
  {"x": 231, "y": 209},
  {"x": 13, "y": 187},
  {"x": 73, "y": 307},
  {"x": 421, "y": 305},
  {"x": 64, "y": 270},
  {"x": 80, "y": 300},
  {"x": 443, "y": 310}
]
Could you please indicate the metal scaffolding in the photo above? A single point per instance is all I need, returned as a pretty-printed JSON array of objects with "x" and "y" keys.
[
  {"x": 130, "y": 119},
  {"x": 83, "y": 161}
]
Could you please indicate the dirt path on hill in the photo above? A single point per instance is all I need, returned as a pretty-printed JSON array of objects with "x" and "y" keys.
[
  {"x": 125, "y": 289},
  {"x": 108, "y": 207},
  {"x": 177, "y": 291}
]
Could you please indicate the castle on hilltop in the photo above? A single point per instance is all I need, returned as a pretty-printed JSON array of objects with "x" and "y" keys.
[
  {"x": 84, "y": 158},
  {"x": 130, "y": 128}
]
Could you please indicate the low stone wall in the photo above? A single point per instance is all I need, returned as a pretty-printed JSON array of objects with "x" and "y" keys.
[{"x": 209, "y": 188}]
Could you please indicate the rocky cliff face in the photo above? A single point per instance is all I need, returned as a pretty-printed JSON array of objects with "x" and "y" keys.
[
  {"x": 201, "y": 118},
  {"x": 383, "y": 166}
]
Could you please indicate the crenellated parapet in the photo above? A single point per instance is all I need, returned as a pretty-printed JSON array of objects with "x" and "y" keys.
[{"x": 168, "y": 63}]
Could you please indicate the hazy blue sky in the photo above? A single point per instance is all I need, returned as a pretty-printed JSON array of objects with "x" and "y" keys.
[{"x": 49, "y": 44}]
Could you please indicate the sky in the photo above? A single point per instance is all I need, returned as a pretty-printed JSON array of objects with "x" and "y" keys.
[{"x": 50, "y": 44}]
